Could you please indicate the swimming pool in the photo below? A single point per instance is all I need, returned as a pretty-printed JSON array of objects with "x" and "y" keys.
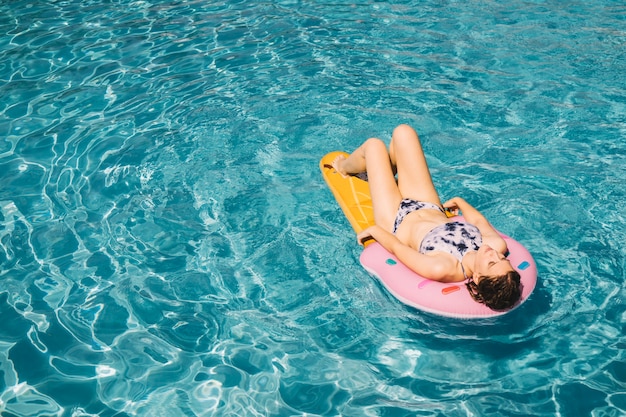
[{"x": 168, "y": 246}]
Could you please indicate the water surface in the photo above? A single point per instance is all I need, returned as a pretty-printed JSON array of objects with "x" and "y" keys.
[{"x": 168, "y": 246}]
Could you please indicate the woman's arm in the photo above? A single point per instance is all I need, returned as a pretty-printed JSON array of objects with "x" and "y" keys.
[
  {"x": 475, "y": 217},
  {"x": 436, "y": 267},
  {"x": 458, "y": 204}
]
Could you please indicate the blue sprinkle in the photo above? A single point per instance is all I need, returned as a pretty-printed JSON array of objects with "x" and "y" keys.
[
  {"x": 523, "y": 265},
  {"x": 391, "y": 262}
]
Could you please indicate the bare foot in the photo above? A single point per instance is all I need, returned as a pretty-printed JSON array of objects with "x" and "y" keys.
[{"x": 338, "y": 163}]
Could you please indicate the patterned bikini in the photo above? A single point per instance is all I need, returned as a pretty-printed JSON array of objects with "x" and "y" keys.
[
  {"x": 409, "y": 206},
  {"x": 456, "y": 238}
]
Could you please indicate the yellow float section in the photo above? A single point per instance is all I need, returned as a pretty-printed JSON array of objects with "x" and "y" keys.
[{"x": 352, "y": 194}]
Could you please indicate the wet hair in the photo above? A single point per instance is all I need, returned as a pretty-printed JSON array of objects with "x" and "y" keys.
[{"x": 497, "y": 293}]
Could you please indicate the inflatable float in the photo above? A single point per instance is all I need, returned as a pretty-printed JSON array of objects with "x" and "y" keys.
[{"x": 445, "y": 299}]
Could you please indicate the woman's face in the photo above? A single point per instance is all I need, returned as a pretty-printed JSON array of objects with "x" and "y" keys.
[{"x": 490, "y": 263}]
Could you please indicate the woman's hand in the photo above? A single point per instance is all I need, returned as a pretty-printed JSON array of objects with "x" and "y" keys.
[
  {"x": 453, "y": 205},
  {"x": 365, "y": 235}
]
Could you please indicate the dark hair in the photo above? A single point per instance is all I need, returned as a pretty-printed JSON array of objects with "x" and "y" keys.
[{"x": 497, "y": 293}]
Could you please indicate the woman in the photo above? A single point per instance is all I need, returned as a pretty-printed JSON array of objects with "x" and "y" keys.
[{"x": 411, "y": 223}]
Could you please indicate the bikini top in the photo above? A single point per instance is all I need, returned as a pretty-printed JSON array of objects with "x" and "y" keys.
[{"x": 455, "y": 238}]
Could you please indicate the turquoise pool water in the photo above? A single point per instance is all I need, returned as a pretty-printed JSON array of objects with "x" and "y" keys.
[{"x": 168, "y": 246}]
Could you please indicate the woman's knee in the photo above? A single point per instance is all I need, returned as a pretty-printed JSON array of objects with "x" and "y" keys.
[
  {"x": 403, "y": 132},
  {"x": 403, "y": 137},
  {"x": 375, "y": 145}
]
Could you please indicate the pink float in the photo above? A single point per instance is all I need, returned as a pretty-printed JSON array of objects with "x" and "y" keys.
[{"x": 445, "y": 299}]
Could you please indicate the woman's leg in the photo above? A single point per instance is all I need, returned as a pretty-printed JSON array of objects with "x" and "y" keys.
[
  {"x": 406, "y": 153},
  {"x": 372, "y": 156}
]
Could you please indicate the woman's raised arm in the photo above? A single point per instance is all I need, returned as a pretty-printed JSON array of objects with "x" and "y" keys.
[{"x": 490, "y": 235}]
